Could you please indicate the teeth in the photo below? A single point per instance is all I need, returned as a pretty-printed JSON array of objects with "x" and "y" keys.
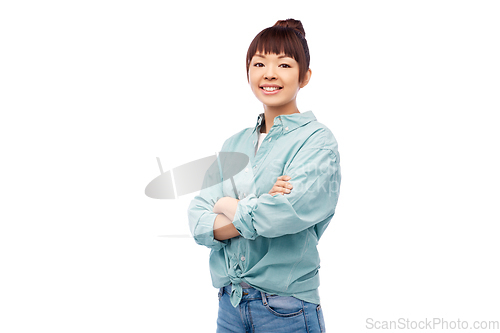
[{"x": 270, "y": 88}]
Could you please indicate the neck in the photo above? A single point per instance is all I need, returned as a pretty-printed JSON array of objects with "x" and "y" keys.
[{"x": 270, "y": 112}]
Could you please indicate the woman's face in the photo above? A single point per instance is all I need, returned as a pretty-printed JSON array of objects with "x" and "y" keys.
[{"x": 274, "y": 79}]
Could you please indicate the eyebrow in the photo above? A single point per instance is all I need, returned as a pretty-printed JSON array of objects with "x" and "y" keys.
[{"x": 279, "y": 57}]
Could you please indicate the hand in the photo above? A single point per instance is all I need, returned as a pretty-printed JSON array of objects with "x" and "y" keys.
[
  {"x": 281, "y": 186},
  {"x": 219, "y": 205},
  {"x": 226, "y": 206}
]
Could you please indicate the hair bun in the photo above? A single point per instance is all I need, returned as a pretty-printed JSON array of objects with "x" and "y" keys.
[{"x": 291, "y": 23}]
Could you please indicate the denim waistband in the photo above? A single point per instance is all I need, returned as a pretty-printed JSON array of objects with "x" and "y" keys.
[{"x": 248, "y": 293}]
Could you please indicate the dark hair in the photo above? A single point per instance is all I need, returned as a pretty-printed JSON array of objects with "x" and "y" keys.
[{"x": 285, "y": 36}]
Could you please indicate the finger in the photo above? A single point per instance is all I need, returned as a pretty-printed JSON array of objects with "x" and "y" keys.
[
  {"x": 285, "y": 184},
  {"x": 281, "y": 189},
  {"x": 275, "y": 192}
]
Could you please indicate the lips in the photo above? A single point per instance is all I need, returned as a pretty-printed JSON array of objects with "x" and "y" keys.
[{"x": 270, "y": 89}]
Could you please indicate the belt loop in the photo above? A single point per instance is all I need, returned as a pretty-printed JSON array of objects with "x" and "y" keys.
[{"x": 264, "y": 298}]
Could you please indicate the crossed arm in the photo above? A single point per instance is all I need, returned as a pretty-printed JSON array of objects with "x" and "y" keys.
[{"x": 226, "y": 208}]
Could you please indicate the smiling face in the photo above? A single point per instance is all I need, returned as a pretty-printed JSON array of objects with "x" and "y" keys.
[{"x": 274, "y": 79}]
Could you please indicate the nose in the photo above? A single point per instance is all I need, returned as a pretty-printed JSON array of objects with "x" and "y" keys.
[{"x": 270, "y": 74}]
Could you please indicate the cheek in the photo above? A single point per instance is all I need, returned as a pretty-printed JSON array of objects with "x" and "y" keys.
[
  {"x": 253, "y": 81},
  {"x": 292, "y": 78}
]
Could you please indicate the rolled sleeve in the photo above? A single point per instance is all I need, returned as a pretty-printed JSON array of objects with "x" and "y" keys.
[
  {"x": 200, "y": 212},
  {"x": 243, "y": 218},
  {"x": 202, "y": 218},
  {"x": 315, "y": 176}
]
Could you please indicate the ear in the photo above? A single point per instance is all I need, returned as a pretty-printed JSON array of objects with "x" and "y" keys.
[{"x": 307, "y": 77}]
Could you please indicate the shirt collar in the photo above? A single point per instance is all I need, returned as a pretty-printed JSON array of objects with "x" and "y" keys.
[{"x": 289, "y": 122}]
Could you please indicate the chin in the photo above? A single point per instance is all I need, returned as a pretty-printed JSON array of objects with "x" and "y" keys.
[{"x": 274, "y": 103}]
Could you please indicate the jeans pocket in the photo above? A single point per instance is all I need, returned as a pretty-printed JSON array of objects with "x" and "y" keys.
[
  {"x": 284, "y": 306},
  {"x": 321, "y": 320}
]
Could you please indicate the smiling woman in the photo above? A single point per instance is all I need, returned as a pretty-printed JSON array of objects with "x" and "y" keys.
[
  {"x": 276, "y": 75},
  {"x": 286, "y": 38},
  {"x": 263, "y": 238}
]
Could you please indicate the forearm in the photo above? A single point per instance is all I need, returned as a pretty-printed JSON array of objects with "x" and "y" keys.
[{"x": 224, "y": 228}]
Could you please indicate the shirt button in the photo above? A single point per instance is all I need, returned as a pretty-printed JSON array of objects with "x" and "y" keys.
[
  {"x": 286, "y": 128},
  {"x": 246, "y": 169},
  {"x": 242, "y": 258},
  {"x": 270, "y": 139}
]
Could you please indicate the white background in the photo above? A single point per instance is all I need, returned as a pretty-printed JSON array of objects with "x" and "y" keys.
[{"x": 93, "y": 91}]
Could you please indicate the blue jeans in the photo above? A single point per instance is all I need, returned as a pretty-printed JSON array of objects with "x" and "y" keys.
[{"x": 259, "y": 312}]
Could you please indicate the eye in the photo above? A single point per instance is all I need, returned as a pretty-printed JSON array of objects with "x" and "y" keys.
[
  {"x": 285, "y": 66},
  {"x": 259, "y": 64}
]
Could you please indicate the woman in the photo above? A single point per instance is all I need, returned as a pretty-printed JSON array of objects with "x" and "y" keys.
[{"x": 263, "y": 242}]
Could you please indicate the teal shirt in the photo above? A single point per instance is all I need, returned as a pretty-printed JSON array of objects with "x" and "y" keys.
[{"x": 276, "y": 252}]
